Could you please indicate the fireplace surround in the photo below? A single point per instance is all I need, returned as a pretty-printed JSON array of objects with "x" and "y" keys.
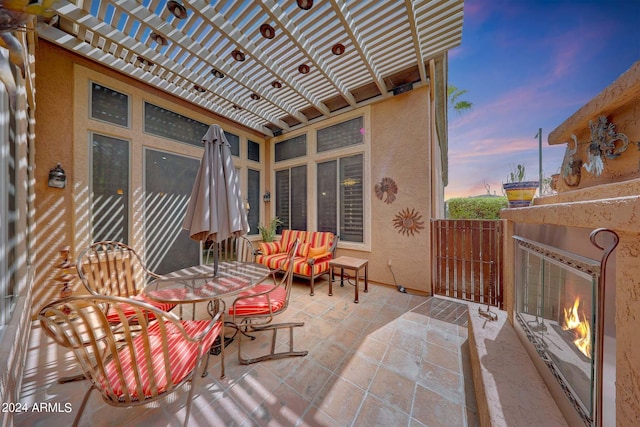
[{"x": 560, "y": 307}]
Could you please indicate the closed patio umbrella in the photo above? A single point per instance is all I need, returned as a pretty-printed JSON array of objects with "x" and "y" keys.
[{"x": 216, "y": 209}]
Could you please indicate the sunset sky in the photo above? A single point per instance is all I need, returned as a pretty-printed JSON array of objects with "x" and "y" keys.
[{"x": 530, "y": 64}]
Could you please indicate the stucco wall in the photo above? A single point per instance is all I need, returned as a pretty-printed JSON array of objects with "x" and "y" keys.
[
  {"x": 612, "y": 201},
  {"x": 401, "y": 150},
  {"x": 62, "y": 127}
]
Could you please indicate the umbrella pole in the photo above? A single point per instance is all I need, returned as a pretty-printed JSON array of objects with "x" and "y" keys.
[{"x": 215, "y": 260}]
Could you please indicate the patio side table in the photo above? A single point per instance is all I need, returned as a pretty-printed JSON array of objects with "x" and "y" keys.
[{"x": 349, "y": 263}]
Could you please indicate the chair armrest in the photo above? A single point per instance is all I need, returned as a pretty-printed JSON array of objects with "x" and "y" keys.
[
  {"x": 312, "y": 260},
  {"x": 334, "y": 245}
]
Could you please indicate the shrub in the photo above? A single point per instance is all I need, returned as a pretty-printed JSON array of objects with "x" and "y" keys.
[{"x": 476, "y": 207}]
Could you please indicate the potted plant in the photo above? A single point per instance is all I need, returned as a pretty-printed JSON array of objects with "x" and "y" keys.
[
  {"x": 519, "y": 192},
  {"x": 268, "y": 232}
]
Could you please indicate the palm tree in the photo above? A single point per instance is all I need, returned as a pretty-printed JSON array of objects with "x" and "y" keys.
[{"x": 455, "y": 102}]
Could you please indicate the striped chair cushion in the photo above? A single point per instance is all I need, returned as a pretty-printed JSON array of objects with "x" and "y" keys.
[
  {"x": 268, "y": 248},
  {"x": 303, "y": 250},
  {"x": 289, "y": 236},
  {"x": 128, "y": 311},
  {"x": 260, "y": 304},
  {"x": 301, "y": 267},
  {"x": 272, "y": 261},
  {"x": 183, "y": 357},
  {"x": 320, "y": 239}
]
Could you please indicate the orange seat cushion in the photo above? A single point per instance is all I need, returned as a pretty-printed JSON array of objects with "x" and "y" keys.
[
  {"x": 260, "y": 304},
  {"x": 183, "y": 357}
]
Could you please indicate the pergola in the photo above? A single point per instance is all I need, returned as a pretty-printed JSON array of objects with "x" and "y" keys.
[{"x": 272, "y": 66}]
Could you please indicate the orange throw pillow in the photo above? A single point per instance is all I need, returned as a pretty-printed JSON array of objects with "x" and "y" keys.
[{"x": 314, "y": 252}]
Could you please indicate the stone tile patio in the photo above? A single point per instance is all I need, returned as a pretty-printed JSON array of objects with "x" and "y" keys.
[{"x": 392, "y": 360}]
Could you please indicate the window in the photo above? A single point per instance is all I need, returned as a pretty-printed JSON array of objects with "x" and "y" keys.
[
  {"x": 253, "y": 198},
  {"x": 341, "y": 197},
  {"x": 9, "y": 258},
  {"x": 109, "y": 105},
  {"x": 253, "y": 151},
  {"x": 168, "y": 246},
  {"x": 162, "y": 122},
  {"x": 234, "y": 141},
  {"x": 341, "y": 135},
  {"x": 291, "y": 148},
  {"x": 109, "y": 189},
  {"x": 291, "y": 198}
]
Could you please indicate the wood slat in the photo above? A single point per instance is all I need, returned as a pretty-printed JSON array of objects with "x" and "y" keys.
[{"x": 467, "y": 260}]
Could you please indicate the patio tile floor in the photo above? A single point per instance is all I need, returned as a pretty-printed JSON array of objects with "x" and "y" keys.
[{"x": 392, "y": 360}]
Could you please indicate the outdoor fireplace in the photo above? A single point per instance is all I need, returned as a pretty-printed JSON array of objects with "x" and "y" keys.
[{"x": 560, "y": 307}]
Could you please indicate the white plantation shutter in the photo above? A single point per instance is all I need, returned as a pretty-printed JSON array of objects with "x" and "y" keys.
[
  {"x": 341, "y": 197},
  {"x": 351, "y": 199}
]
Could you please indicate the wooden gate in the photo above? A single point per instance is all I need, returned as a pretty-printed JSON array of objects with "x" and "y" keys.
[{"x": 467, "y": 260}]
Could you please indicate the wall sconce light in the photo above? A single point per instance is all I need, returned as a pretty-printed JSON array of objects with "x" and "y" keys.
[
  {"x": 57, "y": 177},
  {"x": 266, "y": 197}
]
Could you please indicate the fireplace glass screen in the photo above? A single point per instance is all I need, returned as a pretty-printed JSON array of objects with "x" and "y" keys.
[{"x": 556, "y": 305}]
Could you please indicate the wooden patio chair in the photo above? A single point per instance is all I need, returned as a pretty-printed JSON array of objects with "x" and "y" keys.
[
  {"x": 115, "y": 269},
  {"x": 130, "y": 365},
  {"x": 254, "y": 310}
]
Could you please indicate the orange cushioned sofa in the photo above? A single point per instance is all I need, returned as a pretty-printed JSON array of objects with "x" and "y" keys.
[{"x": 312, "y": 258}]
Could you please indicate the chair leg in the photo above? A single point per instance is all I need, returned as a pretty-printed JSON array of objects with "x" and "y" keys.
[
  {"x": 82, "y": 406},
  {"x": 273, "y": 355}
]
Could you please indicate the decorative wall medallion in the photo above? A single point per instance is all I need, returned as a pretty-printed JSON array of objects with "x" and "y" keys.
[
  {"x": 605, "y": 142},
  {"x": 408, "y": 222},
  {"x": 386, "y": 190}
]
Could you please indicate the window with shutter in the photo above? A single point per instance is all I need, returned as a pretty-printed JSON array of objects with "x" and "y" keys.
[
  {"x": 168, "y": 124},
  {"x": 234, "y": 141},
  {"x": 109, "y": 105},
  {"x": 341, "y": 135},
  {"x": 9, "y": 255},
  {"x": 291, "y": 148},
  {"x": 291, "y": 198},
  {"x": 351, "y": 199},
  {"x": 341, "y": 198}
]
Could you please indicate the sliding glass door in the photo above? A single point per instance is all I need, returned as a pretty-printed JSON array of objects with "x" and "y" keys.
[{"x": 168, "y": 182}]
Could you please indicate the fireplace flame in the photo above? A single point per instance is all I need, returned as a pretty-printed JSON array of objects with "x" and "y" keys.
[{"x": 581, "y": 328}]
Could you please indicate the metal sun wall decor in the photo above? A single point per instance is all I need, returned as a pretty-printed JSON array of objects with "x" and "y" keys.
[
  {"x": 408, "y": 222},
  {"x": 386, "y": 190},
  {"x": 605, "y": 142}
]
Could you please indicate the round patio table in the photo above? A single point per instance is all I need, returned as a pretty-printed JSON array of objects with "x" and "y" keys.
[{"x": 198, "y": 283}]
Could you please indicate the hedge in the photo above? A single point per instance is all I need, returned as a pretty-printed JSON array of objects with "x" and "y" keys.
[{"x": 476, "y": 207}]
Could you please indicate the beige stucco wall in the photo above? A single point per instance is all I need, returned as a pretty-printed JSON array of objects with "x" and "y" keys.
[
  {"x": 401, "y": 149},
  {"x": 611, "y": 201},
  {"x": 62, "y": 129},
  {"x": 398, "y": 145},
  {"x": 399, "y": 140}
]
